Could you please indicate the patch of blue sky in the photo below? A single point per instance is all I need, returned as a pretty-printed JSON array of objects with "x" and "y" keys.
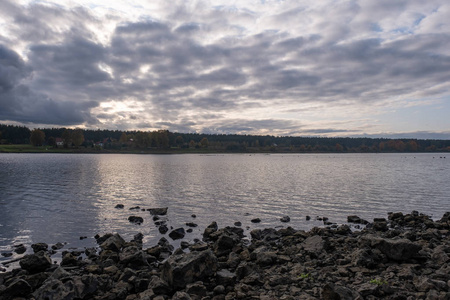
[
  {"x": 376, "y": 27},
  {"x": 431, "y": 117}
]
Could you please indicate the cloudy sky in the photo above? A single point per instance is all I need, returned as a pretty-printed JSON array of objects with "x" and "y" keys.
[{"x": 303, "y": 68}]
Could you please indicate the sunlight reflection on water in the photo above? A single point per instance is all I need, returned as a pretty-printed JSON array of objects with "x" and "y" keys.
[{"x": 58, "y": 197}]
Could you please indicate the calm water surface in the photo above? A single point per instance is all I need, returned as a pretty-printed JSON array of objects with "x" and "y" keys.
[{"x": 58, "y": 198}]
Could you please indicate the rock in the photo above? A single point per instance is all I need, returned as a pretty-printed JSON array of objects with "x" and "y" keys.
[
  {"x": 285, "y": 219},
  {"x": 159, "y": 286},
  {"x": 119, "y": 206},
  {"x": 135, "y": 208},
  {"x": 132, "y": 256},
  {"x": 314, "y": 243},
  {"x": 308, "y": 218},
  {"x": 237, "y": 224},
  {"x": 399, "y": 250},
  {"x": 136, "y": 219},
  {"x": 20, "y": 249},
  {"x": 354, "y": 219},
  {"x": 209, "y": 230},
  {"x": 37, "y": 262},
  {"x": 57, "y": 246},
  {"x": 163, "y": 229},
  {"x": 180, "y": 270},
  {"x": 225, "y": 277},
  {"x": 39, "y": 247},
  {"x": 158, "y": 211},
  {"x": 224, "y": 243},
  {"x": 7, "y": 254},
  {"x": 181, "y": 296},
  {"x": 78, "y": 287},
  {"x": 191, "y": 224},
  {"x": 196, "y": 289},
  {"x": 256, "y": 220},
  {"x": 177, "y": 234},
  {"x": 114, "y": 243},
  {"x": 18, "y": 288},
  {"x": 69, "y": 260}
]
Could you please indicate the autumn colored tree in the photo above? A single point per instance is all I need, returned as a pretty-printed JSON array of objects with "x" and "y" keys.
[
  {"x": 179, "y": 141},
  {"x": 77, "y": 137},
  {"x": 123, "y": 138},
  {"x": 37, "y": 137},
  {"x": 339, "y": 148},
  {"x": 204, "y": 143},
  {"x": 192, "y": 144}
]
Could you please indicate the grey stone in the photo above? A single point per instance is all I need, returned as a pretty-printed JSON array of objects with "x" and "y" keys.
[
  {"x": 35, "y": 262},
  {"x": 180, "y": 270},
  {"x": 399, "y": 250},
  {"x": 113, "y": 243},
  {"x": 161, "y": 211},
  {"x": 313, "y": 243}
]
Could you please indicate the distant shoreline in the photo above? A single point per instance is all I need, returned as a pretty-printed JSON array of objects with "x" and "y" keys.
[{"x": 19, "y": 148}]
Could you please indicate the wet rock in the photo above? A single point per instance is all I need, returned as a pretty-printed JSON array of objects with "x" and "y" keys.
[
  {"x": 285, "y": 219},
  {"x": 69, "y": 260},
  {"x": 308, "y": 218},
  {"x": 163, "y": 229},
  {"x": 210, "y": 230},
  {"x": 135, "y": 208},
  {"x": 36, "y": 262},
  {"x": 7, "y": 254},
  {"x": 256, "y": 220},
  {"x": 20, "y": 249},
  {"x": 180, "y": 270},
  {"x": 57, "y": 246},
  {"x": 39, "y": 247},
  {"x": 136, "y": 219},
  {"x": 113, "y": 242},
  {"x": 191, "y": 224},
  {"x": 237, "y": 224},
  {"x": 119, "y": 206},
  {"x": 161, "y": 211},
  {"x": 177, "y": 234}
]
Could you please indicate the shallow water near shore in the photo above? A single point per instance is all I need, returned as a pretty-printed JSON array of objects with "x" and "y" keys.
[{"x": 61, "y": 197}]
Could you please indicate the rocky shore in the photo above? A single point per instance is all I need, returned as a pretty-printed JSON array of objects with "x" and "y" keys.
[{"x": 403, "y": 256}]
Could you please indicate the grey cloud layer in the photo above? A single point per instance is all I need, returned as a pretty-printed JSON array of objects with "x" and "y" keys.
[{"x": 178, "y": 79}]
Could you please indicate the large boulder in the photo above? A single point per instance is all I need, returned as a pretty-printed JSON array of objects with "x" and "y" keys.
[
  {"x": 37, "y": 262},
  {"x": 180, "y": 270},
  {"x": 314, "y": 243},
  {"x": 113, "y": 243},
  {"x": 78, "y": 287},
  {"x": 395, "y": 249}
]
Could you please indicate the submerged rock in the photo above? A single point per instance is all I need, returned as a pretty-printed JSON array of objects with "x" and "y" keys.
[{"x": 158, "y": 211}]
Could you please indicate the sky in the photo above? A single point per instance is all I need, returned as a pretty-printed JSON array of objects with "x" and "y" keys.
[{"x": 376, "y": 68}]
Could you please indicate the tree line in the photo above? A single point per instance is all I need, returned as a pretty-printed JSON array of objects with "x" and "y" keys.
[{"x": 164, "y": 139}]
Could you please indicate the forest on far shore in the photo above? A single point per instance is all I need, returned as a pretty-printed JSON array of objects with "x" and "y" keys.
[{"x": 164, "y": 140}]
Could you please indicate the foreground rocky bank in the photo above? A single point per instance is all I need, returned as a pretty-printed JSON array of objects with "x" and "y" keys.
[{"x": 401, "y": 257}]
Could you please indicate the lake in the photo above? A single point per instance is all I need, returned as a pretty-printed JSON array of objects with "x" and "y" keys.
[{"x": 61, "y": 197}]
